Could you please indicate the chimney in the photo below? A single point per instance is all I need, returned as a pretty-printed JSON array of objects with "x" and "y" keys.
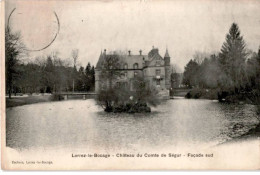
[
  {"x": 140, "y": 51},
  {"x": 105, "y": 51},
  {"x": 129, "y": 52}
]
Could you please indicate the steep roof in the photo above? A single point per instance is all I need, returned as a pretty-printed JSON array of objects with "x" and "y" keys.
[
  {"x": 130, "y": 60},
  {"x": 100, "y": 61},
  {"x": 153, "y": 55}
]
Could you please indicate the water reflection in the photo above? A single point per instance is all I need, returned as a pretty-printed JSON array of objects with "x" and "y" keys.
[{"x": 83, "y": 124}]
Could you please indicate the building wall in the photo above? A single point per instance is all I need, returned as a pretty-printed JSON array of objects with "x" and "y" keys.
[
  {"x": 150, "y": 75},
  {"x": 168, "y": 77},
  {"x": 125, "y": 76},
  {"x": 167, "y": 72},
  {"x": 149, "y": 72},
  {"x": 97, "y": 79}
]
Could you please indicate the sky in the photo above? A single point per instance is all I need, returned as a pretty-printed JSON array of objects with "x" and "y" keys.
[{"x": 183, "y": 26}]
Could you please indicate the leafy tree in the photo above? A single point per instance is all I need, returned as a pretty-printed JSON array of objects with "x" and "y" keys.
[{"x": 189, "y": 76}]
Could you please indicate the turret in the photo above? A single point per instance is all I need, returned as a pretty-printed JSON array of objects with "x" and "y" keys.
[
  {"x": 167, "y": 66},
  {"x": 167, "y": 58}
]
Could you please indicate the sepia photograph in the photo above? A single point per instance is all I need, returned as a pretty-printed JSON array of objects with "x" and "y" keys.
[{"x": 130, "y": 85}]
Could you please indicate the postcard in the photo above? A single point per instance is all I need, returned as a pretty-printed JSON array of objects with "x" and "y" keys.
[{"x": 130, "y": 85}]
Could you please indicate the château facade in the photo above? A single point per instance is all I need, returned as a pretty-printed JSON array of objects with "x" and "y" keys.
[{"x": 155, "y": 69}]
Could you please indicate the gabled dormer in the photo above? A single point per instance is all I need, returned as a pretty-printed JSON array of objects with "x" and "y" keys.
[{"x": 155, "y": 58}]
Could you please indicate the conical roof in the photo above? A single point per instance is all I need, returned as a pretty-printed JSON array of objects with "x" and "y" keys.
[{"x": 166, "y": 54}]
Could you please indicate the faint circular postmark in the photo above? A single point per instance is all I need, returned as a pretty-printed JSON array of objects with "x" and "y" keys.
[{"x": 49, "y": 42}]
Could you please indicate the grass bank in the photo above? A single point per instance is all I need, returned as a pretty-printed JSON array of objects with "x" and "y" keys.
[{"x": 20, "y": 101}]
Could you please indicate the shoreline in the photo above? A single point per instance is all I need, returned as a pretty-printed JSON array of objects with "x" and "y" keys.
[
  {"x": 21, "y": 101},
  {"x": 252, "y": 134},
  {"x": 16, "y": 101}
]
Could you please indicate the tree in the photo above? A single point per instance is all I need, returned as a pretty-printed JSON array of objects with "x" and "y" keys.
[
  {"x": 109, "y": 73},
  {"x": 13, "y": 49},
  {"x": 143, "y": 93},
  {"x": 88, "y": 69},
  {"x": 88, "y": 80},
  {"x": 190, "y": 72},
  {"x": 80, "y": 83},
  {"x": 110, "y": 70},
  {"x": 75, "y": 55},
  {"x": 48, "y": 75},
  {"x": 232, "y": 58},
  {"x": 199, "y": 57}
]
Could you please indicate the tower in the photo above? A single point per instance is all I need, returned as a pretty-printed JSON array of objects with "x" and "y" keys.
[{"x": 167, "y": 66}]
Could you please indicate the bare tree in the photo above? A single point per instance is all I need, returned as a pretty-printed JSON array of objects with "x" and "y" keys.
[
  {"x": 199, "y": 57},
  {"x": 75, "y": 55},
  {"x": 13, "y": 49}
]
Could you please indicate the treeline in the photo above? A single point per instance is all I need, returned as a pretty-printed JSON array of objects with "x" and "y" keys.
[
  {"x": 233, "y": 73},
  {"x": 44, "y": 75},
  {"x": 52, "y": 75}
]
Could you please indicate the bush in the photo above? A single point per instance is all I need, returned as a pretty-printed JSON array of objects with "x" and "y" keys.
[
  {"x": 121, "y": 99},
  {"x": 132, "y": 108},
  {"x": 56, "y": 97},
  {"x": 202, "y": 93}
]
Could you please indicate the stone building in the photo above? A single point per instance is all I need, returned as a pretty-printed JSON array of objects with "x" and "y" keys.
[{"x": 153, "y": 67}]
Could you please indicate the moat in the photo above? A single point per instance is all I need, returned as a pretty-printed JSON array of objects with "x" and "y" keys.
[{"x": 82, "y": 124}]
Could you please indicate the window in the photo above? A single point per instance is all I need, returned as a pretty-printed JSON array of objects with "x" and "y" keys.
[
  {"x": 158, "y": 63},
  {"x": 158, "y": 72},
  {"x": 125, "y": 66},
  {"x": 125, "y": 85},
  {"x": 135, "y": 74},
  {"x": 121, "y": 85},
  {"x": 136, "y": 66},
  {"x": 125, "y": 74},
  {"x": 158, "y": 82}
]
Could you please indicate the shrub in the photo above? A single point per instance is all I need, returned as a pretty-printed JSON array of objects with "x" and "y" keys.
[{"x": 56, "y": 97}]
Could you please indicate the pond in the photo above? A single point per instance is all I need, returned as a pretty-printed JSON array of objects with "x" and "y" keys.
[{"x": 82, "y": 124}]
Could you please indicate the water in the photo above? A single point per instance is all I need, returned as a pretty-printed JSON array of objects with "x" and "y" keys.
[{"x": 82, "y": 124}]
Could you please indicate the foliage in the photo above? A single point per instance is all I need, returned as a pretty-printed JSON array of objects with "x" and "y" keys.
[
  {"x": 143, "y": 93},
  {"x": 13, "y": 49},
  {"x": 110, "y": 70},
  {"x": 117, "y": 97},
  {"x": 232, "y": 59},
  {"x": 52, "y": 75},
  {"x": 190, "y": 74},
  {"x": 232, "y": 74}
]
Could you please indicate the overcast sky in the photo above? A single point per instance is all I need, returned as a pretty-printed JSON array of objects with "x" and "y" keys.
[{"x": 91, "y": 26}]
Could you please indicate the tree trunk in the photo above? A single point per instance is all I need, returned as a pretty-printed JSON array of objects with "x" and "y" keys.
[
  {"x": 9, "y": 93},
  {"x": 73, "y": 86}
]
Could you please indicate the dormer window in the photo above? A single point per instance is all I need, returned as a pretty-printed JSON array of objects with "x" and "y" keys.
[
  {"x": 136, "y": 66},
  {"x": 158, "y": 63}
]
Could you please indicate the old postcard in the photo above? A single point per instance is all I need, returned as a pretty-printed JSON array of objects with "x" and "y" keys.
[{"x": 130, "y": 85}]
